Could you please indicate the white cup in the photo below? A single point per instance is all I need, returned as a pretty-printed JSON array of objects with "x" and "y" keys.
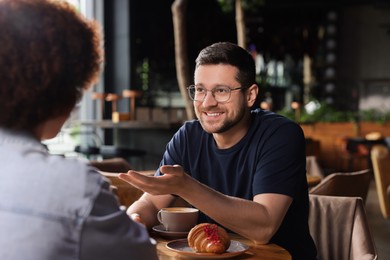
[{"x": 178, "y": 219}]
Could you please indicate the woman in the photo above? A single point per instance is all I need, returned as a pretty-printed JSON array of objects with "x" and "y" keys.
[{"x": 52, "y": 207}]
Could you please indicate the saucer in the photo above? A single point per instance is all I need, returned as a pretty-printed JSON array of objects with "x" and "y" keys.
[{"x": 160, "y": 229}]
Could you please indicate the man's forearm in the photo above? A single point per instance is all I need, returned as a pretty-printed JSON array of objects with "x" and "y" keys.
[
  {"x": 147, "y": 210},
  {"x": 245, "y": 217}
]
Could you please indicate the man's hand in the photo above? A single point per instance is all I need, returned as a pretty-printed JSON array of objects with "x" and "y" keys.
[
  {"x": 173, "y": 180},
  {"x": 137, "y": 218}
]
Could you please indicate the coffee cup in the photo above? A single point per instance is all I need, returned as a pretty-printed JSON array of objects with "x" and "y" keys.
[{"x": 178, "y": 219}]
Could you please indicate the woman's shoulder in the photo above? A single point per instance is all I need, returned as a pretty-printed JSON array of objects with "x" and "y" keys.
[{"x": 76, "y": 171}]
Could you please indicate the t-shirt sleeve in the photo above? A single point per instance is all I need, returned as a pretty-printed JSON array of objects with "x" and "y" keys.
[
  {"x": 108, "y": 232},
  {"x": 281, "y": 163}
]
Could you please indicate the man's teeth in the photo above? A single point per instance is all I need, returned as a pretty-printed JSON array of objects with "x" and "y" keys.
[{"x": 213, "y": 114}]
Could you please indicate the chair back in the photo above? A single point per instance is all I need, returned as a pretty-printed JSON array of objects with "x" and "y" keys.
[
  {"x": 117, "y": 165},
  {"x": 125, "y": 192},
  {"x": 340, "y": 228},
  {"x": 351, "y": 184},
  {"x": 110, "y": 168},
  {"x": 380, "y": 156}
]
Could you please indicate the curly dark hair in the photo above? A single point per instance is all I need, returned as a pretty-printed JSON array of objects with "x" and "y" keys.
[
  {"x": 230, "y": 54},
  {"x": 49, "y": 54}
]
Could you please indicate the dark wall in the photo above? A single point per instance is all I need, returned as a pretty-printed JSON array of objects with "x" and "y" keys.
[{"x": 143, "y": 29}]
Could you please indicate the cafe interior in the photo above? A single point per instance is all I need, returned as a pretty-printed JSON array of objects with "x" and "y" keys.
[{"x": 324, "y": 64}]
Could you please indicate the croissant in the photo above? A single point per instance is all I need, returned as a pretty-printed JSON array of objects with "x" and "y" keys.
[{"x": 208, "y": 238}]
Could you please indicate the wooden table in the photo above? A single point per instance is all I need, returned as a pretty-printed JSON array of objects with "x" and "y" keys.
[{"x": 266, "y": 252}]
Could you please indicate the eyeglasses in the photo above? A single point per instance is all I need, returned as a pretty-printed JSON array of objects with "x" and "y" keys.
[{"x": 220, "y": 93}]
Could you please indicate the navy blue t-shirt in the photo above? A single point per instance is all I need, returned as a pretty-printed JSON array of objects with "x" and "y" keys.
[{"x": 270, "y": 158}]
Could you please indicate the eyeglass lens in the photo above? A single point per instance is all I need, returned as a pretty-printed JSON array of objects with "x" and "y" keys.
[{"x": 198, "y": 93}]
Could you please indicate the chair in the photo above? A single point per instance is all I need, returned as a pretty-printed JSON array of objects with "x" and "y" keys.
[
  {"x": 340, "y": 229},
  {"x": 114, "y": 98},
  {"x": 351, "y": 153},
  {"x": 132, "y": 95},
  {"x": 115, "y": 165},
  {"x": 110, "y": 168},
  {"x": 352, "y": 184},
  {"x": 125, "y": 192},
  {"x": 101, "y": 97},
  {"x": 380, "y": 156}
]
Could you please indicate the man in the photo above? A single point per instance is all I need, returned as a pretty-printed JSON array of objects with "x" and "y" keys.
[
  {"x": 52, "y": 207},
  {"x": 243, "y": 169}
]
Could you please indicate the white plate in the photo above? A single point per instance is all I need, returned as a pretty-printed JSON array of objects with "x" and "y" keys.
[
  {"x": 181, "y": 246},
  {"x": 160, "y": 229}
]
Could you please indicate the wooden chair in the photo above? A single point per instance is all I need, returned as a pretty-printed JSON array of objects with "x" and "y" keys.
[
  {"x": 113, "y": 98},
  {"x": 352, "y": 184},
  {"x": 115, "y": 165},
  {"x": 125, "y": 192},
  {"x": 132, "y": 95},
  {"x": 349, "y": 155},
  {"x": 380, "y": 156},
  {"x": 101, "y": 97},
  {"x": 128, "y": 194},
  {"x": 340, "y": 228},
  {"x": 110, "y": 168}
]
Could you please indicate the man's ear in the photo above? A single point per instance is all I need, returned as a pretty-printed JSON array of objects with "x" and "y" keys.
[{"x": 252, "y": 93}]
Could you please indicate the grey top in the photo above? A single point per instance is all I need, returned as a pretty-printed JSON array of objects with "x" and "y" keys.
[{"x": 52, "y": 207}]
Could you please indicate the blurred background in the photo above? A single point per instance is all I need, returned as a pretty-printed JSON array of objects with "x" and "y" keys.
[
  {"x": 323, "y": 63},
  {"x": 317, "y": 61}
]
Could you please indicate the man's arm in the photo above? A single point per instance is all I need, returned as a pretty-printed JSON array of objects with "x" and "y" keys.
[
  {"x": 257, "y": 220},
  {"x": 145, "y": 209}
]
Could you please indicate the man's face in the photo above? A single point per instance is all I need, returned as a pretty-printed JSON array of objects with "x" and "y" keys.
[{"x": 216, "y": 117}]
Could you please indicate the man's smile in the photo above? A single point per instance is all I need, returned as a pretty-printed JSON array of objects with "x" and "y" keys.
[{"x": 213, "y": 114}]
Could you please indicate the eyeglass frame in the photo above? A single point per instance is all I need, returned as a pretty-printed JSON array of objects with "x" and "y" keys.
[{"x": 212, "y": 92}]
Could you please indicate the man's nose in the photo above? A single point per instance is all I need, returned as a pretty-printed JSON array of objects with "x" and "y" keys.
[{"x": 209, "y": 100}]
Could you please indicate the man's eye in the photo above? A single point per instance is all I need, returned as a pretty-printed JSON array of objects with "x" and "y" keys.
[
  {"x": 222, "y": 90},
  {"x": 200, "y": 90}
]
